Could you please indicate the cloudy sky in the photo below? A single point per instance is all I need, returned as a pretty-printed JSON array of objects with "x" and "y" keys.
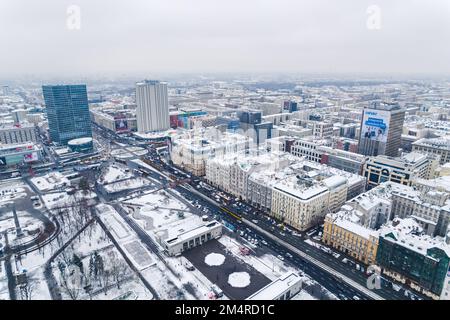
[{"x": 137, "y": 36}]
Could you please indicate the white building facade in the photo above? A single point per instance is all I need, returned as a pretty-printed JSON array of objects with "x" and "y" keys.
[{"x": 152, "y": 111}]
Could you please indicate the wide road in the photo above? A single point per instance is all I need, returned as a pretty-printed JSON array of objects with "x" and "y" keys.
[
  {"x": 324, "y": 278},
  {"x": 340, "y": 278},
  {"x": 348, "y": 270}
]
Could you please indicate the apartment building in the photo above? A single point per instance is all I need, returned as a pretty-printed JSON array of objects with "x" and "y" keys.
[
  {"x": 437, "y": 146},
  {"x": 343, "y": 232}
]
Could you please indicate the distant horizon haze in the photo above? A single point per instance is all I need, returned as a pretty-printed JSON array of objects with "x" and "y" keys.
[{"x": 134, "y": 38}]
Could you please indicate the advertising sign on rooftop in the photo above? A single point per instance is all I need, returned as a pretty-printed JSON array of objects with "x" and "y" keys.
[{"x": 375, "y": 125}]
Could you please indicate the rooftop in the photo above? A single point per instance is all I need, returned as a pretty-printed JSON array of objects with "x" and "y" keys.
[
  {"x": 408, "y": 233},
  {"x": 440, "y": 143},
  {"x": 349, "y": 220},
  {"x": 277, "y": 288}
]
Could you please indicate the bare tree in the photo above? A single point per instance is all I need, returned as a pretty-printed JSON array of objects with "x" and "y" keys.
[
  {"x": 27, "y": 289},
  {"x": 106, "y": 279},
  {"x": 119, "y": 270},
  {"x": 69, "y": 285}
]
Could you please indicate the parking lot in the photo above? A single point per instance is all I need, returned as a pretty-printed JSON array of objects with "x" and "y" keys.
[{"x": 219, "y": 274}]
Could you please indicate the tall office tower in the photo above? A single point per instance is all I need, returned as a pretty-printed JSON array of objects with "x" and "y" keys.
[
  {"x": 152, "y": 113},
  {"x": 5, "y": 90},
  {"x": 67, "y": 112},
  {"x": 381, "y": 129}
]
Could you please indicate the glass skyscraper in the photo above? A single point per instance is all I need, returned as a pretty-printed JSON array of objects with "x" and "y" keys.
[{"x": 67, "y": 112}]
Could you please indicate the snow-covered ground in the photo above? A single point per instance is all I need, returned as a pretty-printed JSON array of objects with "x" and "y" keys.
[
  {"x": 4, "y": 293},
  {"x": 171, "y": 286},
  {"x": 269, "y": 265},
  {"x": 33, "y": 264},
  {"x": 131, "y": 290},
  {"x": 31, "y": 227},
  {"x": 11, "y": 191},
  {"x": 126, "y": 185},
  {"x": 174, "y": 283},
  {"x": 126, "y": 237},
  {"x": 115, "y": 172},
  {"x": 214, "y": 259},
  {"x": 95, "y": 253},
  {"x": 50, "y": 181},
  {"x": 62, "y": 199},
  {"x": 239, "y": 279}
]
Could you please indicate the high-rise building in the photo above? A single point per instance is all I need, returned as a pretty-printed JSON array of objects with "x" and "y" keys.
[
  {"x": 19, "y": 115},
  {"x": 290, "y": 106},
  {"x": 67, "y": 112},
  {"x": 152, "y": 111},
  {"x": 5, "y": 90},
  {"x": 250, "y": 117},
  {"x": 381, "y": 129}
]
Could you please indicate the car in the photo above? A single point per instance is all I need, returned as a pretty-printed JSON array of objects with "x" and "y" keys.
[
  {"x": 280, "y": 257},
  {"x": 290, "y": 256},
  {"x": 189, "y": 266},
  {"x": 264, "y": 242},
  {"x": 282, "y": 234},
  {"x": 356, "y": 298},
  {"x": 255, "y": 221},
  {"x": 217, "y": 291}
]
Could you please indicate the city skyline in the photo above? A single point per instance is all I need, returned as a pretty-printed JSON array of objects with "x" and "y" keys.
[{"x": 235, "y": 152}]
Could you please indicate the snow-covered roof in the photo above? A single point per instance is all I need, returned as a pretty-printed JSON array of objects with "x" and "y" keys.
[
  {"x": 440, "y": 143},
  {"x": 408, "y": 233},
  {"x": 349, "y": 220},
  {"x": 277, "y": 288}
]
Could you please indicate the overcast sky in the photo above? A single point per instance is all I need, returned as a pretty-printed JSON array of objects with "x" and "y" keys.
[{"x": 138, "y": 36}]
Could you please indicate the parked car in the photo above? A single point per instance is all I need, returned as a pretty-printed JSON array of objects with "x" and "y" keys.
[{"x": 189, "y": 266}]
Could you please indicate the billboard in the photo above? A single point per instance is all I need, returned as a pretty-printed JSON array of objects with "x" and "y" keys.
[
  {"x": 375, "y": 125},
  {"x": 30, "y": 157},
  {"x": 121, "y": 123}
]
